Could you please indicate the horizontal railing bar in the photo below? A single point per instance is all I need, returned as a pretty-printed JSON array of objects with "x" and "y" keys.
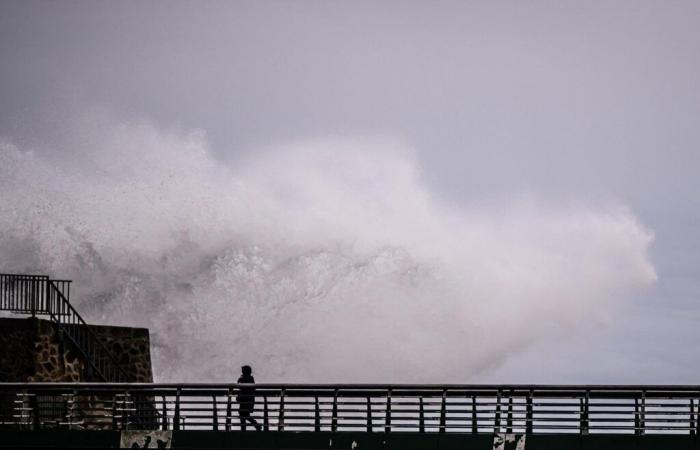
[{"x": 368, "y": 388}]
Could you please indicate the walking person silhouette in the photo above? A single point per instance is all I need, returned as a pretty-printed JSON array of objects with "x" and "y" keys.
[{"x": 246, "y": 398}]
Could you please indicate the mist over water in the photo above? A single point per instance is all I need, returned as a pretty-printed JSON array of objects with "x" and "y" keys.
[{"x": 323, "y": 260}]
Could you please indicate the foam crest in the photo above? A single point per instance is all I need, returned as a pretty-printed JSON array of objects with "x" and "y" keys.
[{"x": 324, "y": 260}]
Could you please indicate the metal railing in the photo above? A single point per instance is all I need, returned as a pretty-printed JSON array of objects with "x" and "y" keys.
[
  {"x": 40, "y": 295},
  {"x": 28, "y": 294},
  {"x": 632, "y": 410}
]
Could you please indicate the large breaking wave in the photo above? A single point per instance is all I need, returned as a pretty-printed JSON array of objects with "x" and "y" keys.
[{"x": 324, "y": 260}]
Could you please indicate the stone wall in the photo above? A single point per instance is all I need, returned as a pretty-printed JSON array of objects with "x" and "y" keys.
[
  {"x": 31, "y": 350},
  {"x": 131, "y": 347},
  {"x": 17, "y": 344}
]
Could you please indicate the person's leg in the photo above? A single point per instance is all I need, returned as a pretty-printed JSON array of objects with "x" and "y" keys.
[
  {"x": 255, "y": 423},
  {"x": 246, "y": 416},
  {"x": 243, "y": 415}
]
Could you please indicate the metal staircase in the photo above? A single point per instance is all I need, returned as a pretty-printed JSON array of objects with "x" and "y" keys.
[{"x": 40, "y": 295}]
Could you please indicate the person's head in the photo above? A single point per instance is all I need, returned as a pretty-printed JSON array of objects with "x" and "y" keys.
[{"x": 247, "y": 370}]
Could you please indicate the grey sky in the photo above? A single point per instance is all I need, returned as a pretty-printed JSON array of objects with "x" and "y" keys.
[{"x": 572, "y": 101}]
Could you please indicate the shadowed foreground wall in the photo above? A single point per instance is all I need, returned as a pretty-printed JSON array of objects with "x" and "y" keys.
[
  {"x": 31, "y": 350},
  {"x": 348, "y": 441}
]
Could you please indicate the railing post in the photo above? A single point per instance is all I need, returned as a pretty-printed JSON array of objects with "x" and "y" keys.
[
  {"x": 644, "y": 411},
  {"x": 114, "y": 412},
  {"x": 443, "y": 411},
  {"x": 509, "y": 417},
  {"x": 21, "y": 406},
  {"x": 334, "y": 413},
  {"x": 641, "y": 414},
  {"x": 369, "y": 415},
  {"x": 584, "y": 402},
  {"x": 691, "y": 416},
  {"x": 176, "y": 418},
  {"x": 49, "y": 303},
  {"x": 528, "y": 414},
  {"x": 34, "y": 410},
  {"x": 164, "y": 413},
  {"x": 125, "y": 410},
  {"x": 638, "y": 415},
  {"x": 697, "y": 417},
  {"x": 475, "y": 420},
  {"x": 317, "y": 415},
  {"x": 115, "y": 422},
  {"x": 215, "y": 426},
  {"x": 31, "y": 292},
  {"x": 497, "y": 417},
  {"x": 70, "y": 402},
  {"x": 229, "y": 408},
  {"x": 387, "y": 419},
  {"x": 280, "y": 420},
  {"x": 421, "y": 417},
  {"x": 266, "y": 420}
]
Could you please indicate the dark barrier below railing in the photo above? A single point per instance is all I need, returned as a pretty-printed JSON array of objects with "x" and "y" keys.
[{"x": 473, "y": 409}]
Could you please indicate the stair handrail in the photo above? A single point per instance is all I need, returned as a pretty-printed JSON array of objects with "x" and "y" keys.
[
  {"x": 64, "y": 327},
  {"x": 41, "y": 295}
]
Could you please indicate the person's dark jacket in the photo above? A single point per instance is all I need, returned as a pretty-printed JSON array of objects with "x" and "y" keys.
[{"x": 246, "y": 394}]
